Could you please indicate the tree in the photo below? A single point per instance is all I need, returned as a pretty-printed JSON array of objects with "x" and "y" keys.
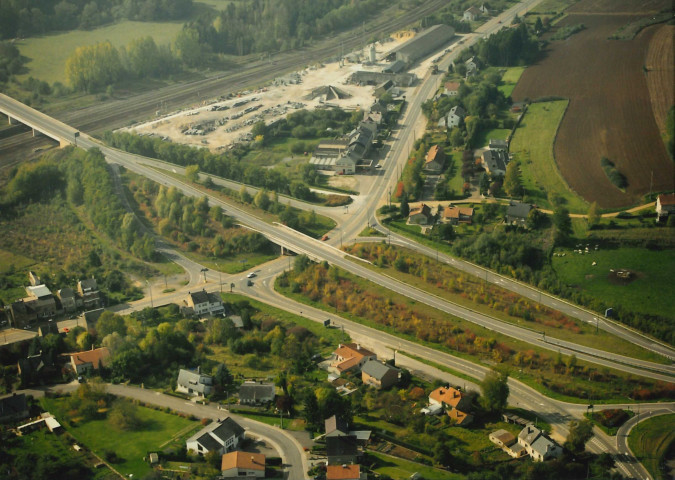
[
  {"x": 244, "y": 196},
  {"x": 442, "y": 455},
  {"x": 124, "y": 416},
  {"x": 562, "y": 225},
  {"x": 495, "y": 390},
  {"x": 262, "y": 200},
  {"x": 580, "y": 433},
  {"x": 192, "y": 173},
  {"x": 593, "y": 215},
  {"x": 405, "y": 207},
  {"x": 512, "y": 182}
]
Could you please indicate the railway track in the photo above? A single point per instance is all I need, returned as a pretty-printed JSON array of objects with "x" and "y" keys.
[{"x": 121, "y": 112}]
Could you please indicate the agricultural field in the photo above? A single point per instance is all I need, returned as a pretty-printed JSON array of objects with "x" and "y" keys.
[
  {"x": 605, "y": 117},
  {"x": 48, "y": 54},
  {"x": 638, "y": 292},
  {"x": 660, "y": 73},
  {"x": 650, "y": 441},
  {"x": 532, "y": 146}
]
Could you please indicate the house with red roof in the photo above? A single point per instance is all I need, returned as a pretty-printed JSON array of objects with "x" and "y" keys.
[
  {"x": 350, "y": 356},
  {"x": 89, "y": 359},
  {"x": 243, "y": 464}
]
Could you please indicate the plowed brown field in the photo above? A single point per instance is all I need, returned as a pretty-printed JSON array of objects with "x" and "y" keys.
[
  {"x": 610, "y": 113},
  {"x": 661, "y": 73}
]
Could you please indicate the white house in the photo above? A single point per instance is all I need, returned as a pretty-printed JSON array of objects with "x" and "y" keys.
[
  {"x": 471, "y": 14},
  {"x": 665, "y": 205},
  {"x": 204, "y": 303},
  {"x": 538, "y": 445},
  {"x": 220, "y": 436},
  {"x": 455, "y": 116},
  {"x": 194, "y": 383}
]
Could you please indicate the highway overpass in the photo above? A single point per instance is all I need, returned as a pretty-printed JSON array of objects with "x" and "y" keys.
[{"x": 18, "y": 112}]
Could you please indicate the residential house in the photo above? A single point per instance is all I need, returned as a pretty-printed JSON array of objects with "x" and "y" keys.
[
  {"x": 471, "y": 14},
  {"x": 194, "y": 383},
  {"x": 507, "y": 442},
  {"x": 89, "y": 359},
  {"x": 256, "y": 393},
  {"x": 343, "y": 472},
  {"x": 665, "y": 205},
  {"x": 451, "y": 89},
  {"x": 472, "y": 66},
  {"x": 35, "y": 368},
  {"x": 13, "y": 408},
  {"x": 460, "y": 418},
  {"x": 220, "y": 436},
  {"x": 454, "y": 117},
  {"x": 342, "y": 449},
  {"x": 421, "y": 215},
  {"x": 538, "y": 445},
  {"x": 379, "y": 375},
  {"x": 435, "y": 160},
  {"x": 456, "y": 215},
  {"x": 517, "y": 213},
  {"x": 21, "y": 313},
  {"x": 68, "y": 299},
  {"x": 335, "y": 426},
  {"x": 203, "y": 303},
  {"x": 41, "y": 301},
  {"x": 243, "y": 464},
  {"x": 88, "y": 290},
  {"x": 497, "y": 144},
  {"x": 350, "y": 356},
  {"x": 494, "y": 161},
  {"x": 34, "y": 279},
  {"x": 343, "y": 155}
]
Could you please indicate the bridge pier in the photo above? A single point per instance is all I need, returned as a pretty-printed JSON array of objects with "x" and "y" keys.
[
  {"x": 12, "y": 121},
  {"x": 38, "y": 133}
]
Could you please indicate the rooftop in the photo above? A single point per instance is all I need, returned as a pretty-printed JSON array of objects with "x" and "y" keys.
[
  {"x": 343, "y": 472},
  {"x": 377, "y": 369},
  {"x": 95, "y": 357},
  {"x": 245, "y": 460}
]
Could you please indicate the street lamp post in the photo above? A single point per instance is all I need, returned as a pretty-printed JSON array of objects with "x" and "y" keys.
[{"x": 152, "y": 303}]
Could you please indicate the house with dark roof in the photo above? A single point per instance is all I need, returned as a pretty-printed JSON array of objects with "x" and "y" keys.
[
  {"x": 203, "y": 303},
  {"x": 35, "y": 369},
  {"x": 472, "y": 66},
  {"x": 256, "y": 393},
  {"x": 342, "y": 449},
  {"x": 335, "y": 426},
  {"x": 665, "y": 206},
  {"x": 517, "y": 213},
  {"x": 538, "y": 445},
  {"x": 194, "y": 383},
  {"x": 220, "y": 436},
  {"x": 350, "y": 356},
  {"x": 89, "y": 359},
  {"x": 13, "y": 408},
  {"x": 88, "y": 290},
  {"x": 243, "y": 464},
  {"x": 494, "y": 161},
  {"x": 435, "y": 160},
  {"x": 68, "y": 299},
  {"x": 41, "y": 300},
  {"x": 379, "y": 375},
  {"x": 498, "y": 144}
]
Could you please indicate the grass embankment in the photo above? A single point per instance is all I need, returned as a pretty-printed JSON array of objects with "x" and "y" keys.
[
  {"x": 374, "y": 306},
  {"x": 400, "y": 469},
  {"x": 641, "y": 292},
  {"x": 555, "y": 324},
  {"x": 130, "y": 446},
  {"x": 650, "y": 441},
  {"x": 532, "y": 145},
  {"x": 48, "y": 54}
]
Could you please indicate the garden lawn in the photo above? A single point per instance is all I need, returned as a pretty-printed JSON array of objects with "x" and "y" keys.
[
  {"x": 653, "y": 269},
  {"x": 532, "y": 144},
  {"x": 484, "y": 137},
  {"x": 400, "y": 469},
  {"x": 131, "y": 446},
  {"x": 650, "y": 440},
  {"x": 510, "y": 79},
  {"x": 48, "y": 54}
]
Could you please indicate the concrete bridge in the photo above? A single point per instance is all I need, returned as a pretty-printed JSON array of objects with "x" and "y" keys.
[{"x": 17, "y": 112}]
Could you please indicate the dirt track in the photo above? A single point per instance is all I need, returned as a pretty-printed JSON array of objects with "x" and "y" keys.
[{"x": 610, "y": 112}]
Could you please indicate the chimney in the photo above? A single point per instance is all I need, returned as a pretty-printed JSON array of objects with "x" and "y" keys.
[
  {"x": 92, "y": 347},
  {"x": 199, "y": 369},
  {"x": 358, "y": 346}
]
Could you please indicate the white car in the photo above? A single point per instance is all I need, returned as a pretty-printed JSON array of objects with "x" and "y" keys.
[{"x": 250, "y": 275}]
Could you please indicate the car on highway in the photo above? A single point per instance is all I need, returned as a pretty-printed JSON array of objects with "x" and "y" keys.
[
  {"x": 378, "y": 166},
  {"x": 324, "y": 238},
  {"x": 251, "y": 275}
]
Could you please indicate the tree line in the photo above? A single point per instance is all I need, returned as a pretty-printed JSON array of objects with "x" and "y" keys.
[{"x": 25, "y": 18}]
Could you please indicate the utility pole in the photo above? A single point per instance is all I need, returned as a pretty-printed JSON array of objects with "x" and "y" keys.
[{"x": 152, "y": 303}]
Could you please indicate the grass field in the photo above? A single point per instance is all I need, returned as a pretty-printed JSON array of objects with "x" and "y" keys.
[
  {"x": 532, "y": 144},
  {"x": 493, "y": 133},
  {"x": 509, "y": 80},
  {"x": 400, "y": 469},
  {"x": 553, "y": 6},
  {"x": 130, "y": 446},
  {"x": 649, "y": 441},
  {"x": 48, "y": 54},
  {"x": 652, "y": 269}
]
